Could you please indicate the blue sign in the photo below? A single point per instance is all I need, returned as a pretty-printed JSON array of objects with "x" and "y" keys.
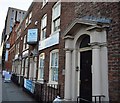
[
  {"x": 32, "y": 36},
  {"x": 29, "y": 85},
  {"x": 50, "y": 41},
  {"x": 95, "y": 19}
]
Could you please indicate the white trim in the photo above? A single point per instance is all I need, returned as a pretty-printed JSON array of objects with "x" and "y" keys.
[
  {"x": 58, "y": 3},
  {"x": 85, "y": 49},
  {"x": 45, "y": 27},
  {"x": 53, "y": 51},
  {"x": 43, "y": 57},
  {"x": 44, "y": 3}
]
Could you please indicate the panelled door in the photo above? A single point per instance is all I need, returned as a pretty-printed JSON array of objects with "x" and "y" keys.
[{"x": 86, "y": 75}]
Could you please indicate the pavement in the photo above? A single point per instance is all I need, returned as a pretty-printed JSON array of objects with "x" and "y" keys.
[{"x": 13, "y": 93}]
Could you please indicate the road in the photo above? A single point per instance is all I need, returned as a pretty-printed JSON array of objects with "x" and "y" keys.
[{"x": 11, "y": 92}]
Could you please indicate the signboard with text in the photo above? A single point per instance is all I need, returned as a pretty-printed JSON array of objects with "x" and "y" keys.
[
  {"x": 32, "y": 36},
  {"x": 50, "y": 41},
  {"x": 29, "y": 85}
]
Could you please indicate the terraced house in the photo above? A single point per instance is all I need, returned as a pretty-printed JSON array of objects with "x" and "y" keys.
[{"x": 70, "y": 49}]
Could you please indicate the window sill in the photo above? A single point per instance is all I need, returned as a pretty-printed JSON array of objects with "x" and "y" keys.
[
  {"x": 41, "y": 81},
  {"x": 55, "y": 32},
  {"x": 52, "y": 82}
]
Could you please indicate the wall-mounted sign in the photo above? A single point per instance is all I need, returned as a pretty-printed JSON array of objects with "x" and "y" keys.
[
  {"x": 97, "y": 19},
  {"x": 7, "y": 45},
  {"x": 50, "y": 41},
  {"x": 32, "y": 36},
  {"x": 29, "y": 85}
]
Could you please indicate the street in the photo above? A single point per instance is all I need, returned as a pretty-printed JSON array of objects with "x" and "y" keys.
[{"x": 11, "y": 92}]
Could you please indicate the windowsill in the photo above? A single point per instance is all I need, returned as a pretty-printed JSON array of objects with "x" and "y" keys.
[
  {"x": 41, "y": 81},
  {"x": 52, "y": 84},
  {"x": 55, "y": 32}
]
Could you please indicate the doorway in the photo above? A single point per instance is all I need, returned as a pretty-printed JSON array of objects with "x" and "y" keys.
[{"x": 86, "y": 75}]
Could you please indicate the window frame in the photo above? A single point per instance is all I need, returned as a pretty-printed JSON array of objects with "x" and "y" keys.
[
  {"x": 42, "y": 55},
  {"x": 55, "y": 18},
  {"x": 28, "y": 20},
  {"x": 26, "y": 67},
  {"x": 43, "y": 27},
  {"x": 17, "y": 48},
  {"x": 50, "y": 67},
  {"x": 25, "y": 45},
  {"x": 44, "y": 3}
]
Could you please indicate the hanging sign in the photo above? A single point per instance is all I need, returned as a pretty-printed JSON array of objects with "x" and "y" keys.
[{"x": 32, "y": 36}]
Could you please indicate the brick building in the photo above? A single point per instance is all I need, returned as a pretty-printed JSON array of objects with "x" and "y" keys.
[
  {"x": 12, "y": 16},
  {"x": 75, "y": 44}
]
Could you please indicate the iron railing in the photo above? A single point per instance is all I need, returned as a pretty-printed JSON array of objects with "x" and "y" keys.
[
  {"x": 47, "y": 92},
  {"x": 96, "y": 99}
]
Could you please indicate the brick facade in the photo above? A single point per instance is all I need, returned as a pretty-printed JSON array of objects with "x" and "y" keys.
[
  {"x": 11, "y": 40},
  {"x": 70, "y": 11}
]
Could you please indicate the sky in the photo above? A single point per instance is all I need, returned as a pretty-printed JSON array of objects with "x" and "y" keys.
[{"x": 4, "y": 4}]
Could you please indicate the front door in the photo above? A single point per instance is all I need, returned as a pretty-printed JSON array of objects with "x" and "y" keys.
[{"x": 86, "y": 75}]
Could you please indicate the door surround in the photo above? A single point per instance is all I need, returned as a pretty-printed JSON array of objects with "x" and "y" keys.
[{"x": 73, "y": 36}]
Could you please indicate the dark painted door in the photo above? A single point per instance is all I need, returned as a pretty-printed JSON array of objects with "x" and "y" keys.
[{"x": 86, "y": 75}]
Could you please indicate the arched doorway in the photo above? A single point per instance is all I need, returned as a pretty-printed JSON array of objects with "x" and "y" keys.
[
  {"x": 87, "y": 65},
  {"x": 85, "y": 69}
]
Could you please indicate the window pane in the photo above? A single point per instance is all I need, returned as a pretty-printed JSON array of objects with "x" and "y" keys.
[
  {"x": 54, "y": 66},
  {"x": 43, "y": 27},
  {"x": 85, "y": 42},
  {"x": 56, "y": 11},
  {"x": 41, "y": 65},
  {"x": 41, "y": 72},
  {"x": 57, "y": 24},
  {"x": 54, "y": 74},
  {"x": 44, "y": 33},
  {"x": 44, "y": 2}
]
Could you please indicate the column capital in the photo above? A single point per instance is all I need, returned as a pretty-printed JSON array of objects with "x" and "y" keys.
[
  {"x": 68, "y": 49},
  {"x": 97, "y": 45}
]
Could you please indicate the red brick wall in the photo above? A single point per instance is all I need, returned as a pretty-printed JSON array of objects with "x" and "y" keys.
[{"x": 11, "y": 40}]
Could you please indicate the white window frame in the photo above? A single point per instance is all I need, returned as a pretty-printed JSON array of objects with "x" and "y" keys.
[
  {"x": 43, "y": 26},
  {"x": 41, "y": 68},
  {"x": 22, "y": 70},
  {"x": 56, "y": 17},
  {"x": 30, "y": 17},
  {"x": 50, "y": 67},
  {"x": 24, "y": 43},
  {"x": 26, "y": 67},
  {"x": 44, "y": 3},
  {"x": 32, "y": 68},
  {"x": 17, "y": 48},
  {"x": 26, "y": 22}
]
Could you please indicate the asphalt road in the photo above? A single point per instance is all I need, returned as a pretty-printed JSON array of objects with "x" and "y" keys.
[{"x": 11, "y": 92}]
